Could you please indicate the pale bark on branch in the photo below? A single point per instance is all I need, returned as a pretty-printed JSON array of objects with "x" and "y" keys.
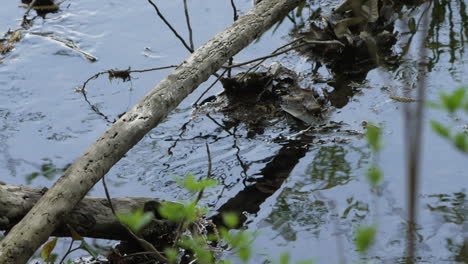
[{"x": 36, "y": 227}]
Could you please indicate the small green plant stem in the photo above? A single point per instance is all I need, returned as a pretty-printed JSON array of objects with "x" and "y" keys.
[
  {"x": 182, "y": 225},
  {"x": 143, "y": 243},
  {"x": 179, "y": 231}
]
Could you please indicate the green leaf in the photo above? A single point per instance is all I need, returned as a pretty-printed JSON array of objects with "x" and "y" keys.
[
  {"x": 136, "y": 220},
  {"x": 440, "y": 129},
  {"x": 365, "y": 236},
  {"x": 460, "y": 142},
  {"x": 179, "y": 212},
  {"x": 171, "y": 255},
  {"x": 245, "y": 253},
  {"x": 198, "y": 246},
  {"x": 373, "y": 136},
  {"x": 231, "y": 220},
  {"x": 285, "y": 258},
  {"x": 89, "y": 249},
  {"x": 453, "y": 102},
  {"x": 374, "y": 176},
  {"x": 194, "y": 186},
  {"x": 47, "y": 248}
]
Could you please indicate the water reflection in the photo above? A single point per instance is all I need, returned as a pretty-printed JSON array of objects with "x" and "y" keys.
[
  {"x": 46, "y": 170},
  {"x": 329, "y": 168},
  {"x": 452, "y": 209},
  {"x": 305, "y": 205},
  {"x": 443, "y": 11},
  {"x": 274, "y": 173}
]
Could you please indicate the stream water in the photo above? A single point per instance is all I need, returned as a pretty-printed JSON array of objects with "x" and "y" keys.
[{"x": 304, "y": 193}]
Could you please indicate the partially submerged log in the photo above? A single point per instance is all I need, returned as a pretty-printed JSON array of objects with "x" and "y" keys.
[
  {"x": 92, "y": 217},
  {"x": 36, "y": 227}
]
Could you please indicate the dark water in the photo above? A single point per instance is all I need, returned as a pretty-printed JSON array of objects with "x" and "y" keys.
[{"x": 304, "y": 193}]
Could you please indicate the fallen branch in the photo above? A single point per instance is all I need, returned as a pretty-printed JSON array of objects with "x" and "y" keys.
[
  {"x": 92, "y": 217},
  {"x": 56, "y": 204}
]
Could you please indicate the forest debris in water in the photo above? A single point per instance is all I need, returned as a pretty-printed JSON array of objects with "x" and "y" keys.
[
  {"x": 362, "y": 33},
  {"x": 120, "y": 74},
  {"x": 6, "y": 43},
  {"x": 42, "y": 7},
  {"x": 5, "y": 48},
  {"x": 67, "y": 43},
  {"x": 258, "y": 98},
  {"x": 49, "y": 6},
  {"x": 15, "y": 36},
  {"x": 403, "y": 99}
]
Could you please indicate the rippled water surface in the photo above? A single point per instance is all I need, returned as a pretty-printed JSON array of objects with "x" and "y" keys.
[{"x": 304, "y": 192}]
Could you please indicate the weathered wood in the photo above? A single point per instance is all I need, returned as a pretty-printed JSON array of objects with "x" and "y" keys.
[
  {"x": 35, "y": 228},
  {"x": 92, "y": 217}
]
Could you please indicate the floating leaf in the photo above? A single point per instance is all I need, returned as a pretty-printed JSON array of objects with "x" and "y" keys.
[{"x": 47, "y": 249}]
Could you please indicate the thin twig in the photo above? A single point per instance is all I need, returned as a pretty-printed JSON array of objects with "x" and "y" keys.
[
  {"x": 154, "y": 69},
  {"x": 82, "y": 89},
  {"x": 209, "y": 88},
  {"x": 276, "y": 50},
  {"x": 170, "y": 26},
  {"x": 208, "y": 174},
  {"x": 234, "y": 10},
  {"x": 107, "y": 194},
  {"x": 25, "y": 21},
  {"x": 238, "y": 157},
  {"x": 266, "y": 57},
  {"x": 129, "y": 71},
  {"x": 180, "y": 227},
  {"x": 182, "y": 130},
  {"x": 67, "y": 252},
  {"x": 236, "y": 16},
  {"x": 187, "y": 18},
  {"x": 179, "y": 231}
]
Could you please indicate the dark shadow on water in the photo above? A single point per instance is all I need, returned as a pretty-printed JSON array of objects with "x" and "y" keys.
[{"x": 258, "y": 190}]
